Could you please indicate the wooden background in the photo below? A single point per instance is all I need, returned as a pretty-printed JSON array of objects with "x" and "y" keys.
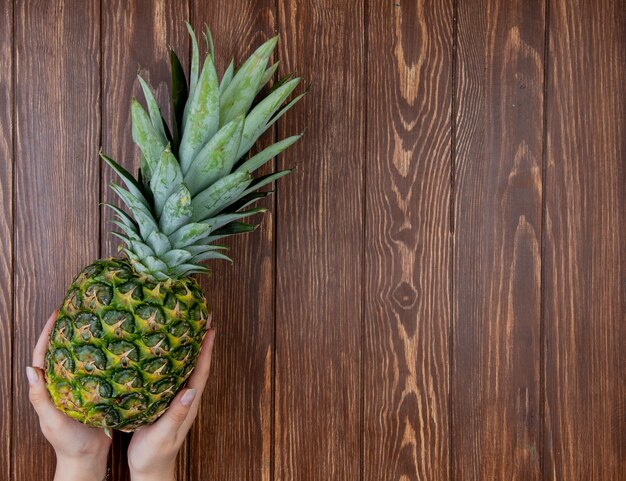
[{"x": 439, "y": 292}]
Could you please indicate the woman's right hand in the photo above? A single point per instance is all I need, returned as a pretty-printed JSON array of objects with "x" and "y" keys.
[{"x": 153, "y": 449}]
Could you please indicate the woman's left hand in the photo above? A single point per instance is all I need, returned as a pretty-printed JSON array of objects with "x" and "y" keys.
[{"x": 81, "y": 451}]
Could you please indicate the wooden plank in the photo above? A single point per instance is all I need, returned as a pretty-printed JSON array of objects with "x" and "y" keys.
[
  {"x": 231, "y": 440},
  {"x": 407, "y": 249},
  {"x": 6, "y": 235},
  {"x": 496, "y": 387},
  {"x": 135, "y": 34},
  {"x": 319, "y": 246},
  {"x": 585, "y": 234},
  {"x": 57, "y": 122}
]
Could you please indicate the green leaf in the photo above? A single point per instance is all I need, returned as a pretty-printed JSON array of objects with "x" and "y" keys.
[
  {"x": 285, "y": 109},
  {"x": 233, "y": 228},
  {"x": 216, "y": 158},
  {"x": 142, "y": 250},
  {"x": 146, "y": 138},
  {"x": 221, "y": 194},
  {"x": 153, "y": 109},
  {"x": 129, "y": 231},
  {"x": 189, "y": 234},
  {"x": 211, "y": 255},
  {"x": 193, "y": 74},
  {"x": 177, "y": 210},
  {"x": 267, "y": 154},
  {"x": 154, "y": 264},
  {"x": 222, "y": 220},
  {"x": 247, "y": 200},
  {"x": 266, "y": 179},
  {"x": 227, "y": 77},
  {"x": 129, "y": 181},
  {"x": 208, "y": 39},
  {"x": 140, "y": 212},
  {"x": 240, "y": 93},
  {"x": 158, "y": 242},
  {"x": 267, "y": 76},
  {"x": 176, "y": 257},
  {"x": 186, "y": 270},
  {"x": 257, "y": 120},
  {"x": 123, "y": 216},
  {"x": 203, "y": 116},
  {"x": 165, "y": 180},
  {"x": 201, "y": 249},
  {"x": 179, "y": 98}
]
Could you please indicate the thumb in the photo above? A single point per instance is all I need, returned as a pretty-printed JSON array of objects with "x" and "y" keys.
[
  {"x": 38, "y": 394},
  {"x": 175, "y": 416}
]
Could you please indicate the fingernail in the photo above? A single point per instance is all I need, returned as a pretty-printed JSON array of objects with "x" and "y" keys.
[
  {"x": 188, "y": 397},
  {"x": 32, "y": 375}
]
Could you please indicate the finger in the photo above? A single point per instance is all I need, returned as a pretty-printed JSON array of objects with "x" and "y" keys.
[
  {"x": 178, "y": 414},
  {"x": 38, "y": 394},
  {"x": 39, "y": 352},
  {"x": 167, "y": 425},
  {"x": 200, "y": 374},
  {"x": 199, "y": 377}
]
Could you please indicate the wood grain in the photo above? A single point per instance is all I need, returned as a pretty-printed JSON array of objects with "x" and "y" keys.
[
  {"x": 136, "y": 35},
  {"x": 407, "y": 248},
  {"x": 496, "y": 388},
  {"x": 6, "y": 235},
  {"x": 319, "y": 246},
  {"x": 57, "y": 126},
  {"x": 585, "y": 257},
  {"x": 231, "y": 440}
]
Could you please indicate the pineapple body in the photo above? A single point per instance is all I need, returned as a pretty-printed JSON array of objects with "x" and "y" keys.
[{"x": 123, "y": 345}]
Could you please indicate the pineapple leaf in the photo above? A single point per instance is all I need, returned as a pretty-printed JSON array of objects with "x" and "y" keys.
[
  {"x": 176, "y": 257},
  {"x": 227, "y": 77},
  {"x": 208, "y": 40},
  {"x": 240, "y": 93},
  {"x": 266, "y": 179},
  {"x": 179, "y": 98},
  {"x": 141, "y": 213},
  {"x": 154, "y": 264},
  {"x": 142, "y": 250},
  {"x": 129, "y": 231},
  {"x": 201, "y": 249},
  {"x": 184, "y": 270},
  {"x": 257, "y": 120},
  {"x": 166, "y": 178},
  {"x": 267, "y": 154},
  {"x": 193, "y": 74},
  {"x": 220, "y": 195},
  {"x": 176, "y": 211},
  {"x": 211, "y": 255},
  {"x": 189, "y": 234},
  {"x": 129, "y": 181},
  {"x": 158, "y": 242},
  {"x": 246, "y": 200},
  {"x": 222, "y": 220},
  {"x": 233, "y": 228},
  {"x": 267, "y": 76},
  {"x": 216, "y": 158},
  {"x": 123, "y": 216},
  {"x": 203, "y": 115},
  {"x": 153, "y": 110},
  {"x": 146, "y": 138}
]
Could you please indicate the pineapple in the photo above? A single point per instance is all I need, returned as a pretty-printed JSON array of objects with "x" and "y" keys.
[{"x": 130, "y": 328}]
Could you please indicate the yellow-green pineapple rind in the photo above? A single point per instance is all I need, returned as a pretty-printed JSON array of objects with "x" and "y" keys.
[{"x": 123, "y": 345}]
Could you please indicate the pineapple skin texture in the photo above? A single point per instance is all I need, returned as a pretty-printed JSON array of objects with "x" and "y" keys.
[{"x": 123, "y": 345}]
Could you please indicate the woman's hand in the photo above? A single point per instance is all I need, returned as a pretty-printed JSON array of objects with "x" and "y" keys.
[
  {"x": 153, "y": 449},
  {"x": 81, "y": 451}
]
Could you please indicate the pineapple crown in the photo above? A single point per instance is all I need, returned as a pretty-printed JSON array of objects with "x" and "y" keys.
[{"x": 195, "y": 181}]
